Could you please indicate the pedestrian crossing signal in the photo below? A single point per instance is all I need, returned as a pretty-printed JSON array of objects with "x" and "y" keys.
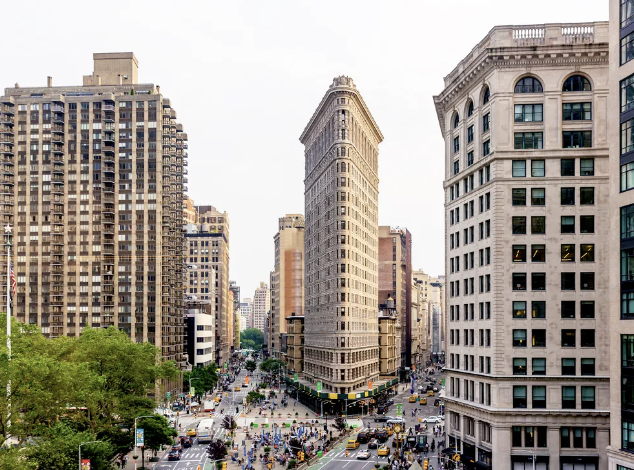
[
  {"x": 224, "y": 465},
  {"x": 425, "y": 464}
]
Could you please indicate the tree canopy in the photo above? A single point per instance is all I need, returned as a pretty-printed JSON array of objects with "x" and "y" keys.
[
  {"x": 204, "y": 379},
  {"x": 250, "y": 366},
  {"x": 272, "y": 365},
  {"x": 251, "y": 338}
]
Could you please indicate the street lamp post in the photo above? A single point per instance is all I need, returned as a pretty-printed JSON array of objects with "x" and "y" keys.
[
  {"x": 135, "y": 420},
  {"x": 83, "y": 443}
]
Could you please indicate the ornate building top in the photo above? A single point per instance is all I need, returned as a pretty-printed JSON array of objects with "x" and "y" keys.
[{"x": 342, "y": 80}]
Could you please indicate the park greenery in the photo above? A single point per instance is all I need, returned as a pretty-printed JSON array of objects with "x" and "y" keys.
[
  {"x": 251, "y": 338},
  {"x": 272, "y": 365},
  {"x": 250, "y": 366},
  {"x": 203, "y": 379},
  {"x": 254, "y": 396},
  {"x": 70, "y": 390}
]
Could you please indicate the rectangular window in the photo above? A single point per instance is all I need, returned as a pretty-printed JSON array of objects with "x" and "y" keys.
[
  {"x": 519, "y": 253},
  {"x": 586, "y": 166},
  {"x": 587, "y": 366},
  {"x": 587, "y": 338},
  {"x": 567, "y": 224},
  {"x": 568, "y": 398},
  {"x": 567, "y": 167},
  {"x": 627, "y": 306},
  {"x": 627, "y": 136},
  {"x": 627, "y": 176},
  {"x": 519, "y": 309},
  {"x": 627, "y": 264},
  {"x": 567, "y": 196},
  {"x": 587, "y": 398},
  {"x": 519, "y": 196},
  {"x": 519, "y": 281},
  {"x": 538, "y": 168},
  {"x": 519, "y": 338},
  {"x": 486, "y": 122},
  {"x": 564, "y": 438},
  {"x": 539, "y": 338},
  {"x": 538, "y": 225},
  {"x": 539, "y": 396},
  {"x": 568, "y": 253},
  {"x": 586, "y": 224},
  {"x": 586, "y": 252},
  {"x": 539, "y": 366},
  {"x": 627, "y": 48},
  {"x": 568, "y": 366},
  {"x": 519, "y": 168},
  {"x": 470, "y": 158},
  {"x": 627, "y": 92},
  {"x": 538, "y": 253},
  {"x": 586, "y": 309},
  {"x": 577, "y": 139},
  {"x": 516, "y": 436},
  {"x": 586, "y": 196},
  {"x": 519, "y": 366},
  {"x": 456, "y": 170},
  {"x": 626, "y": 17},
  {"x": 456, "y": 144},
  {"x": 568, "y": 338},
  {"x": 486, "y": 148},
  {"x": 519, "y": 225},
  {"x": 529, "y": 112},
  {"x": 627, "y": 222},
  {"x": 470, "y": 134},
  {"x": 538, "y": 308},
  {"x": 529, "y": 140},
  {"x": 529, "y": 436},
  {"x": 538, "y": 281},
  {"x": 568, "y": 309},
  {"x": 587, "y": 281},
  {"x": 519, "y": 396},
  {"x": 538, "y": 196},
  {"x": 577, "y": 112},
  {"x": 627, "y": 435},
  {"x": 567, "y": 281}
]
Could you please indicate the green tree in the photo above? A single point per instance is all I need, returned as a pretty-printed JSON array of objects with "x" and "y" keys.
[
  {"x": 272, "y": 365},
  {"x": 340, "y": 424},
  {"x": 204, "y": 379},
  {"x": 254, "y": 396},
  {"x": 157, "y": 432},
  {"x": 229, "y": 424},
  {"x": 251, "y": 338},
  {"x": 250, "y": 366},
  {"x": 217, "y": 451}
]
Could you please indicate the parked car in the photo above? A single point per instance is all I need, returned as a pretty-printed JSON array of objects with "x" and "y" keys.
[
  {"x": 396, "y": 420},
  {"x": 432, "y": 420}
]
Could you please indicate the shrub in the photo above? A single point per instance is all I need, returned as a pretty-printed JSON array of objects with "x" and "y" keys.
[{"x": 291, "y": 464}]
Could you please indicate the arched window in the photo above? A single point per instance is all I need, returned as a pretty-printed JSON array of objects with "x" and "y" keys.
[
  {"x": 470, "y": 109},
  {"x": 577, "y": 83},
  {"x": 343, "y": 167},
  {"x": 487, "y": 96},
  {"x": 529, "y": 85},
  {"x": 456, "y": 121}
]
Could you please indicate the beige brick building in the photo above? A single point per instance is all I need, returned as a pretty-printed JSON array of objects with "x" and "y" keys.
[
  {"x": 341, "y": 249},
  {"x": 389, "y": 340},
  {"x": 93, "y": 181},
  {"x": 189, "y": 211},
  {"x": 620, "y": 116},
  {"x": 287, "y": 286},
  {"x": 526, "y": 183},
  {"x": 261, "y": 306},
  {"x": 207, "y": 274}
]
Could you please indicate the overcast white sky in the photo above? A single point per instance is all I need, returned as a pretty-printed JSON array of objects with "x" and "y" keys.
[{"x": 246, "y": 76}]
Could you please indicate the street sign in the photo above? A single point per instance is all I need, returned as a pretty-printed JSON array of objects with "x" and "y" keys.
[
  {"x": 193, "y": 391},
  {"x": 399, "y": 409},
  {"x": 85, "y": 464},
  {"x": 369, "y": 385},
  {"x": 295, "y": 377},
  {"x": 168, "y": 395},
  {"x": 225, "y": 365},
  {"x": 319, "y": 386},
  {"x": 140, "y": 440}
]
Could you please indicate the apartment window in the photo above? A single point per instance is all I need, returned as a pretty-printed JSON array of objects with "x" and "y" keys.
[
  {"x": 587, "y": 366},
  {"x": 538, "y": 253},
  {"x": 567, "y": 281},
  {"x": 538, "y": 225},
  {"x": 519, "y": 281},
  {"x": 627, "y": 435},
  {"x": 519, "y": 366},
  {"x": 567, "y": 224},
  {"x": 587, "y": 166},
  {"x": 456, "y": 144},
  {"x": 456, "y": 169},
  {"x": 587, "y": 281},
  {"x": 587, "y": 338},
  {"x": 586, "y": 224},
  {"x": 627, "y": 48},
  {"x": 528, "y": 85},
  {"x": 539, "y": 338},
  {"x": 577, "y": 112},
  {"x": 529, "y": 436},
  {"x": 539, "y": 397},
  {"x": 586, "y": 196},
  {"x": 627, "y": 176},
  {"x": 538, "y": 168},
  {"x": 516, "y": 436},
  {"x": 519, "y": 168},
  {"x": 519, "y": 196},
  {"x": 538, "y": 308},
  {"x": 627, "y": 305},
  {"x": 519, "y": 396},
  {"x": 587, "y": 398},
  {"x": 538, "y": 281},
  {"x": 538, "y": 196},
  {"x": 568, "y": 309},
  {"x": 539, "y": 366},
  {"x": 568, "y": 366},
  {"x": 486, "y": 122},
  {"x": 564, "y": 438},
  {"x": 568, "y": 253},
  {"x": 519, "y": 253},
  {"x": 627, "y": 92},
  {"x": 569, "y": 398},
  {"x": 470, "y": 134},
  {"x": 519, "y": 225},
  {"x": 519, "y": 338},
  {"x": 577, "y": 139},
  {"x": 627, "y": 222},
  {"x": 529, "y": 112},
  {"x": 567, "y": 167},
  {"x": 568, "y": 338},
  {"x": 529, "y": 140},
  {"x": 519, "y": 309},
  {"x": 470, "y": 158},
  {"x": 567, "y": 196},
  {"x": 486, "y": 148},
  {"x": 586, "y": 252},
  {"x": 586, "y": 308},
  {"x": 627, "y": 264}
]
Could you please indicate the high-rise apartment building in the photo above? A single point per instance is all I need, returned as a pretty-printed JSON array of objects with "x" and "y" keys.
[
  {"x": 341, "y": 241},
  {"x": 93, "y": 184},
  {"x": 207, "y": 257},
  {"x": 620, "y": 118},
  {"x": 261, "y": 306},
  {"x": 287, "y": 281},
  {"x": 395, "y": 279},
  {"x": 246, "y": 310},
  {"x": 526, "y": 195},
  {"x": 189, "y": 211}
]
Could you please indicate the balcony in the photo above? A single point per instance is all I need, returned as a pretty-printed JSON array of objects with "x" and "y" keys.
[
  {"x": 57, "y": 129},
  {"x": 6, "y": 119},
  {"x": 57, "y": 179},
  {"x": 6, "y": 149},
  {"x": 58, "y": 118},
  {"x": 108, "y": 117},
  {"x": 57, "y": 148},
  {"x": 107, "y": 107}
]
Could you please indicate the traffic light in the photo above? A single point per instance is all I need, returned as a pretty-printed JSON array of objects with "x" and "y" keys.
[
  {"x": 224, "y": 466},
  {"x": 425, "y": 464}
]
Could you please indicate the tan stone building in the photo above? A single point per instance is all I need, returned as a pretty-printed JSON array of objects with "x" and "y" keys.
[
  {"x": 287, "y": 286},
  {"x": 207, "y": 259},
  {"x": 620, "y": 116},
  {"x": 261, "y": 306},
  {"x": 395, "y": 274},
  {"x": 294, "y": 353},
  {"x": 526, "y": 184},
  {"x": 189, "y": 211},
  {"x": 389, "y": 340},
  {"x": 341, "y": 249},
  {"x": 93, "y": 184}
]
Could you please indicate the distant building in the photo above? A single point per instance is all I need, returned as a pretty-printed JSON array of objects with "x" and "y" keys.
[
  {"x": 199, "y": 332},
  {"x": 261, "y": 306},
  {"x": 389, "y": 339},
  {"x": 293, "y": 344},
  {"x": 246, "y": 311},
  {"x": 189, "y": 211}
]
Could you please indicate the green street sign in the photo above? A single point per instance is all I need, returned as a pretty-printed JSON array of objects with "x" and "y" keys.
[
  {"x": 168, "y": 395},
  {"x": 193, "y": 391},
  {"x": 399, "y": 409},
  {"x": 319, "y": 386},
  {"x": 255, "y": 425},
  {"x": 295, "y": 377},
  {"x": 225, "y": 365}
]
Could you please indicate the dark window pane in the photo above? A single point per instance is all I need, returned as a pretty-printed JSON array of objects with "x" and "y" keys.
[
  {"x": 519, "y": 225},
  {"x": 567, "y": 167},
  {"x": 539, "y": 338},
  {"x": 519, "y": 309},
  {"x": 587, "y": 309},
  {"x": 519, "y": 196},
  {"x": 519, "y": 281},
  {"x": 568, "y": 366},
  {"x": 587, "y": 281},
  {"x": 586, "y": 196},
  {"x": 538, "y": 253},
  {"x": 538, "y": 309},
  {"x": 538, "y": 224},
  {"x": 587, "y": 338},
  {"x": 567, "y": 281},
  {"x": 567, "y": 196},
  {"x": 586, "y": 224},
  {"x": 568, "y": 253},
  {"x": 567, "y": 309},
  {"x": 568, "y": 338},
  {"x": 538, "y": 281}
]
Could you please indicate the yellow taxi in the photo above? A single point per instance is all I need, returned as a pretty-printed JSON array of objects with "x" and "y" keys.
[
  {"x": 389, "y": 431},
  {"x": 191, "y": 432},
  {"x": 217, "y": 399},
  {"x": 237, "y": 388},
  {"x": 423, "y": 400},
  {"x": 383, "y": 451},
  {"x": 430, "y": 393},
  {"x": 352, "y": 444},
  {"x": 413, "y": 398}
]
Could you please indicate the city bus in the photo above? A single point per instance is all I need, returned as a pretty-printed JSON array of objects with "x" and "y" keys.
[{"x": 205, "y": 430}]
